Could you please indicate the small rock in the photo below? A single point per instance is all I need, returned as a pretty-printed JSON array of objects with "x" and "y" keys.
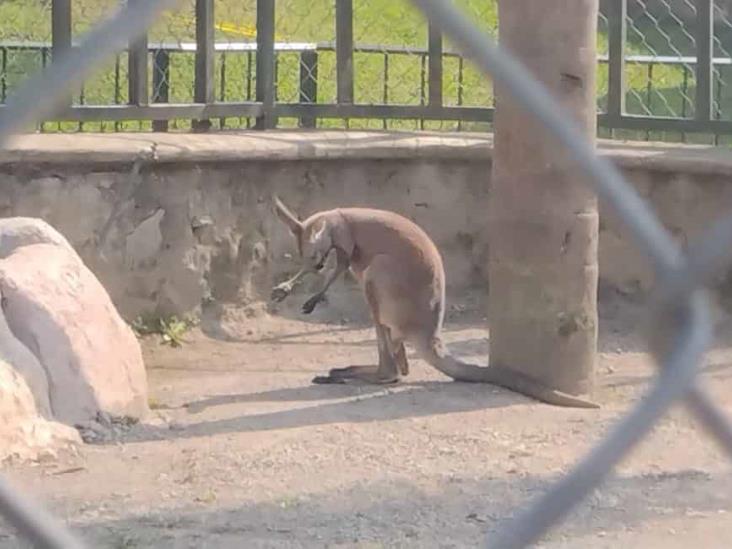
[
  {"x": 104, "y": 419},
  {"x": 47, "y": 455},
  {"x": 474, "y": 517},
  {"x": 88, "y": 436},
  {"x": 97, "y": 428}
]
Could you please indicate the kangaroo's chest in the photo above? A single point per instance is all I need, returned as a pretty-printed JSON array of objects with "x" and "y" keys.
[{"x": 358, "y": 263}]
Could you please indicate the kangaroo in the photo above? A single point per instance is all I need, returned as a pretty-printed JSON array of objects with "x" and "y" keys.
[{"x": 401, "y": 273}]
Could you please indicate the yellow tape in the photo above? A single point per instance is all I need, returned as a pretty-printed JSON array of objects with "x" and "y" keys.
[
  {"x": 232, "y": 28},
  {"x": 250, "y": 31}
]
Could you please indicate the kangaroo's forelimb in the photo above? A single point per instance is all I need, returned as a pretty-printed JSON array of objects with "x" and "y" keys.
[{"x": 342, "y": 264}]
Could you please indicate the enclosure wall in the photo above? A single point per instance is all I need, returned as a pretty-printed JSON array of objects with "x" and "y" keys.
[{"x": 197, "y": 224}]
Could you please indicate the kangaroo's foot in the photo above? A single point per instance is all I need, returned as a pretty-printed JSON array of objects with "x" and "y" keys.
[{"x": 369, "y": 374}]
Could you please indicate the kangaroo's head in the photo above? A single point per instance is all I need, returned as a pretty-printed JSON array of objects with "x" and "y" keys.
[{"x": 316, "y": 236}]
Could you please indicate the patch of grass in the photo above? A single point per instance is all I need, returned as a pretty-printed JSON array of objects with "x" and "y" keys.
[{"x": 171, "y": 329}]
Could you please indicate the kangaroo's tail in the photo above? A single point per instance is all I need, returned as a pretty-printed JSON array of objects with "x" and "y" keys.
[{"x": 438, "y": 356}]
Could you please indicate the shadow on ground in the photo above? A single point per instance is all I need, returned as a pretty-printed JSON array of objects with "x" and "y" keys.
[
  {"x": 397, "y": 513},
  {"x": 343, "y": 404}
]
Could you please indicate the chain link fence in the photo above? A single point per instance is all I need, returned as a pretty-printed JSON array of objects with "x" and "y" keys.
[
  {"x": 678, "y": 313},
  {"x": 305, "y": 56},
  {"x": 390, "y": 58},
  {"x": 661, "y": 64},
  {"x": 172, "y": 41},
  {"x": 25, "y": 33},
  {"x": 235, "y": 33},
  {"x": 389, "y": 64}
]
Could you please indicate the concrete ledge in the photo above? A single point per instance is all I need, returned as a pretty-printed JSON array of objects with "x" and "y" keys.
[{"x": 221, "y": 147}]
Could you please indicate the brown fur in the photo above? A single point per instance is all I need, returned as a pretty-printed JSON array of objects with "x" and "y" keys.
[{"x": 401, "y": 273}]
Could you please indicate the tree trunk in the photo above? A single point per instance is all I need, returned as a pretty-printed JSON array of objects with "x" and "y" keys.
[{"x": 543, "y": 219}]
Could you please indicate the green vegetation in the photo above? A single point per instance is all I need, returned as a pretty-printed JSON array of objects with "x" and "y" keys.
[
  {"x": 171, "y": 330},
  {"x": 393, "y": 23}
]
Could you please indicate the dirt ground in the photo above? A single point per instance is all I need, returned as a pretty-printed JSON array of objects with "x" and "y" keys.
[{"x": 246, "y": 452}]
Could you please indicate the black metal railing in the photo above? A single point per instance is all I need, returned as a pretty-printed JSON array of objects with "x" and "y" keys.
[{"x": 699, "y": 101}]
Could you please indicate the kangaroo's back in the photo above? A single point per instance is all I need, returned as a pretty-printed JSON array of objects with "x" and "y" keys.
[
  {"x": 416, "y": 265},
  {"x": 384, "y": 232}
]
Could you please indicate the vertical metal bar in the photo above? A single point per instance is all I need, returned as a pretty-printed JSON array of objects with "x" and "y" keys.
[
  {"x": 117, "y": 91},
  {"x": 82, "y": 101},
  {"x": 704, "y": 36},
  {"x": 684, "y": 90},
  {"x": 4, "y": 76},
  {"x": 308, "y": 84},
  {"x": 344, "y": 51},
  {"x": 718, "y": 100},
  {"x": 386, "y": 85},
  {"x": 617, "y": 32},
  {"x": 718, "y": 93},
  {"x": 265, "y": 63},
  {"x": 61, "y": 35},
  {"x": 161, "y": 84},
  {"x": 60, "y": 26},
  {"x": 276, "y": 77},
  {"x": 222, "y": 87},
  {"x": 249, "y": 76},
  {"x": 44, "y": 63},
  {"x": 649, "y": 94},
  {"x": 249, "y": 82},
  {"x": 460, "y": 88},
  {"x": 137, "y": 72},
  {"x": 685, "y": 94},
  {"x": 204, "y": 82},
  {"x": 422, "y": 85},
  {"x": 434, "y": 48}
]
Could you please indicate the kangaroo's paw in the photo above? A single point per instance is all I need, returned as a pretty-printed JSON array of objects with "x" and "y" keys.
[
  {"x": 368, "y": 374},
  {"x": 309, "y": 306},
  {"x": 280, "y": 292}
]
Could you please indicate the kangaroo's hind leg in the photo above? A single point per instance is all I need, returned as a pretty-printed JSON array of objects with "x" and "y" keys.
[
  {"x": 400, "y": 355},
  {"x": 388, "y": 369}
]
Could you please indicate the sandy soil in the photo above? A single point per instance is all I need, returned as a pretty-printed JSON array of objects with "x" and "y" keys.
[{"x": 247, "y": 453}]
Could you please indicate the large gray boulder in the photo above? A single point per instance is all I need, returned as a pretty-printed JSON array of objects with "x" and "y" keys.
[
  {"x": 87, "y": 359},
  {"x": 24, "y": 433}
]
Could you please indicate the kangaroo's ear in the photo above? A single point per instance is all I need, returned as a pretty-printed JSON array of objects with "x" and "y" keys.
[
  {"x": 341, "y": 236},
  {"x": 287, "y": 217},
  {"x": 319, "y": 229}
]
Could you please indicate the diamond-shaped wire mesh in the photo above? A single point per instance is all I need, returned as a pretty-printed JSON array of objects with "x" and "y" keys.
[
  {"x": 108, "y": 85},
  {"x": 602, "y": 66},
  {"x": 660, "y": 29},
  {"x": 722, "y": 61},
  {"x": 682, "y": 330},
  {"x": 304, "y": 74},
  {"x": 172, "y": 76},
  {"x": 463, "y": 83},
  {"x": 390, "y": 58},
  {"x": 25, "y": 37},
  {"x": 235, "y": 34}
]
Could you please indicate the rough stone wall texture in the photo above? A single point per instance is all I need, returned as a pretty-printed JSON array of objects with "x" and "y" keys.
[{"x": 196, "y": 224}]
